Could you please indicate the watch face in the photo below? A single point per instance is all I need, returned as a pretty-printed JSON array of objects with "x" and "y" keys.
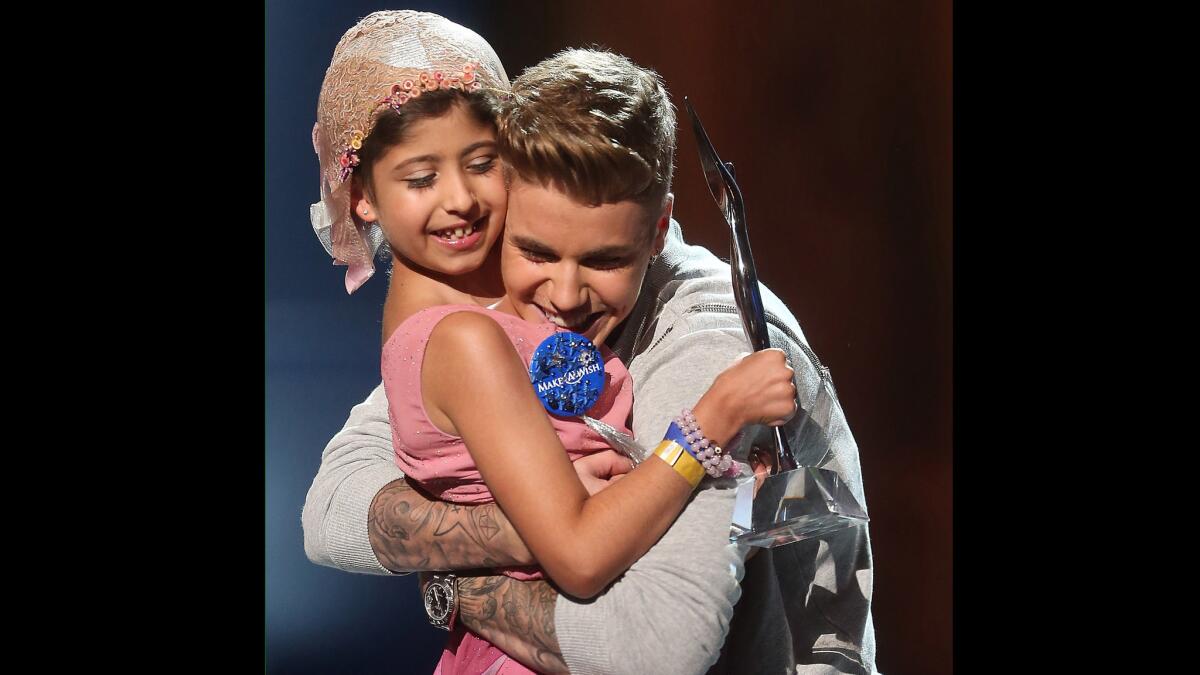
[{"x": 437, "y": 602}]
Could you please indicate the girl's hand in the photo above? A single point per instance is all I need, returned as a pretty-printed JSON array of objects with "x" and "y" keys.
[
  {"x": 599, "y": 470},
  {"x": 756, "y": 389}
]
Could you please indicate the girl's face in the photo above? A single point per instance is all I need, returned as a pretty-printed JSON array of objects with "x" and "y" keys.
[{"x": 440, "y": 195}]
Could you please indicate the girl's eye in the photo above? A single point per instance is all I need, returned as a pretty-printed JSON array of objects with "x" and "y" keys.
[
  {"x": 420, "y": 182},
  {"x": 483, "y": 166}
]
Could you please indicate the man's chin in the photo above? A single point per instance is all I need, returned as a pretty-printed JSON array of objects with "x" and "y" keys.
[
  {"x": 615, "y": 334},
  {"x": 602, "y": 331}
]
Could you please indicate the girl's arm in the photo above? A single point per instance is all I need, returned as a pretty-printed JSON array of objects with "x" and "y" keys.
[{"x": 473, "y": 379}]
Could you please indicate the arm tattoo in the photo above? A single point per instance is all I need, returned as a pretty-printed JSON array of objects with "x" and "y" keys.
[
  {"x": 516, "y": 616},
  {"x": 409, "y": 531}
]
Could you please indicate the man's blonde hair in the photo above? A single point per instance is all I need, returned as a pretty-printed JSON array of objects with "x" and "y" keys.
[{"x": 593, "y": 125}]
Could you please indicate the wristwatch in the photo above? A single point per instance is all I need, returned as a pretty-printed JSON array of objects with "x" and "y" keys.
[{"x": 441, "y": 600}]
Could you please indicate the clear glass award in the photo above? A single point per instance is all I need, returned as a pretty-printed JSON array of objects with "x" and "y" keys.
[{"x": 799, "y": 499}]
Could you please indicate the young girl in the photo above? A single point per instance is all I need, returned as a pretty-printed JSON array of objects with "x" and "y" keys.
[{"x": 407, "y": 142}]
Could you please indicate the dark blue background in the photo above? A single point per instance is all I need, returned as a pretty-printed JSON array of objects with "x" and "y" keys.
[{"x": 322, "y": 358}]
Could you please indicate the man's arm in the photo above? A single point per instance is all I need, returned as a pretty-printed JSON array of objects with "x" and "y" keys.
[
  {"x": 826, "y": 583},
  {"x": 360, "y": 514},
  {"x": 516, "y": 616},
  {"x": 410, "y": 532}
]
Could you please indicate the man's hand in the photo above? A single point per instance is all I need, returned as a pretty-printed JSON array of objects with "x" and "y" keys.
[
  {"x": 516, "y": 616},
  {"x": 760, "y": 463}
]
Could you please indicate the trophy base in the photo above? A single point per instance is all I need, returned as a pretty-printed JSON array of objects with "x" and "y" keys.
[{"x": 792, "y": 506}]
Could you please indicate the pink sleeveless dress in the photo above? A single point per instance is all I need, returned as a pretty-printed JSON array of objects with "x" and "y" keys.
[{"x": 441, "y": 464}]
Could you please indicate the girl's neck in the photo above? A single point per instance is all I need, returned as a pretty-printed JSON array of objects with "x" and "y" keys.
[{"x": 412, "y": 289}]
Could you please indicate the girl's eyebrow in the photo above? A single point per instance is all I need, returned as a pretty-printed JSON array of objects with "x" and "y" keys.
[
  {"x": 415, "y": 160},
  {"x": 475, "y": 146}
]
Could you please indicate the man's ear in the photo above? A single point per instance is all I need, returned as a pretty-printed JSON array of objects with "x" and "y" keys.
[{"x": 663, "y": 224}]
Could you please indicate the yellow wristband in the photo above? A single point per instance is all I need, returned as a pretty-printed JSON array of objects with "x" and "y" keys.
[{"x": 681, "y": 460}]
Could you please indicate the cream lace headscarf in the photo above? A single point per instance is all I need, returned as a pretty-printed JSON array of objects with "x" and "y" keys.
[{"x": 380, "y": 63}]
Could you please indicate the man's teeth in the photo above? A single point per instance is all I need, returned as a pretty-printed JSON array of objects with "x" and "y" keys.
[{"x": 558, "y": 320}]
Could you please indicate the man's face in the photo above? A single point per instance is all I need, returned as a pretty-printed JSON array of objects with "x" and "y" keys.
[{"x": 578, "y": 266}]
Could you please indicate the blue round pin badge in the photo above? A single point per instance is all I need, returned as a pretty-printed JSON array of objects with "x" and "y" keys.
[{"x": 567, "y": 373}]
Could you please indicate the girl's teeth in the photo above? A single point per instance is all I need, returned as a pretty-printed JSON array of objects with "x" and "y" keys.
[{"x": 456, "y": 233}]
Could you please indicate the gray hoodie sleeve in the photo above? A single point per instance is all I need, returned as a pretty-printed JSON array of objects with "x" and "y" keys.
[
  {"x": 671, "y": 610},
  {"x": 356, "y": 464}
]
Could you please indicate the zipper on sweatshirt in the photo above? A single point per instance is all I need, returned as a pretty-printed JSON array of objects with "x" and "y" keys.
[{"x": 771, "y": 319}]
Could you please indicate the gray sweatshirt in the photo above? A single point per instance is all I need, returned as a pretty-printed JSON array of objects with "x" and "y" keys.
[{"x": 804, "y": 607}]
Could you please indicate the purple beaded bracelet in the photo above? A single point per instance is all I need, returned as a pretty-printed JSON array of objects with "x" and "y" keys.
[{"x": 716, "y": 462}]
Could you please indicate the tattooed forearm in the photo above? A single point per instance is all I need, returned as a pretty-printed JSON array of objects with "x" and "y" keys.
[
  {"x": 516, "y": 616},
  {"x": 410, "y": 532}
]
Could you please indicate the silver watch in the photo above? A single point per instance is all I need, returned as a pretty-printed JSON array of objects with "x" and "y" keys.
[{"x": 441, "y": 600}]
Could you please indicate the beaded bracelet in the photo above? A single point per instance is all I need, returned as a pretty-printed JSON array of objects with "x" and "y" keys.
[{"x": 716, "y": 462}]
